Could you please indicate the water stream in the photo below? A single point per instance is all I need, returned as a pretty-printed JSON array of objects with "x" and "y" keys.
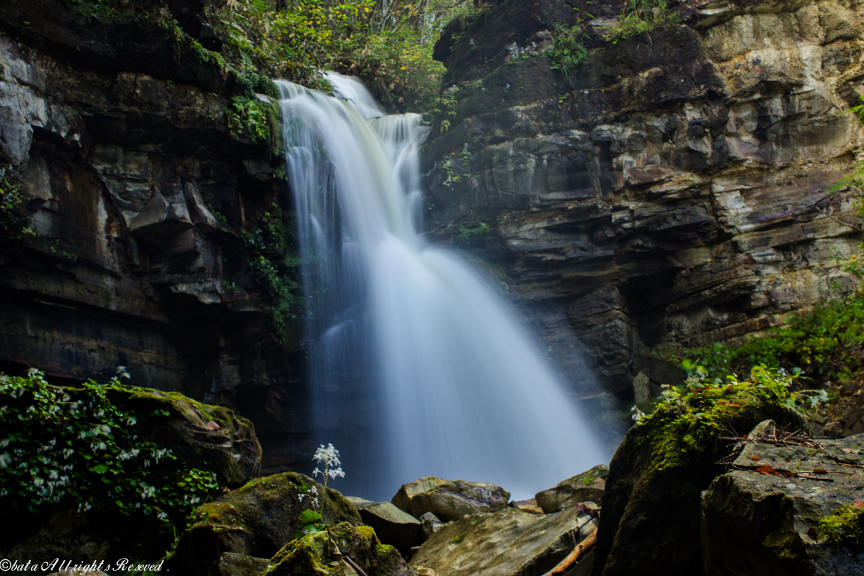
[{"x": 418, "y": 365}]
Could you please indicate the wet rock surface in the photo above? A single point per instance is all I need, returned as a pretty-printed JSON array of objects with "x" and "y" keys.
[
  {"x": 767, "y": 508},
  {"x": 508, "y": 542},
  {"x": 674, "y": 189}
]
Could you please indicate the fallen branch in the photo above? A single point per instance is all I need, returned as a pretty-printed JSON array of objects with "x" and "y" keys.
[
  {"x": 574, "y": 556},
  {"x": 354, "y": 565}
]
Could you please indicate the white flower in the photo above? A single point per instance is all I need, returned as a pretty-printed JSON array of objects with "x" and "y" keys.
[
  {"x": 148, "y": 492},
  {"x": 4, "y": 443},
  {"x": 162, "y": 516},
  {"x": 330, "y": 457},
  {"x": 84, "y": 506},
  {"x": 5, "y": 460},
  {"x": 53, "y": 475},
  {"x": 131, "y": 421}
]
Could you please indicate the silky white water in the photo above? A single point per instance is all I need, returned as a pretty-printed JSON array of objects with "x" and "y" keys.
[{"x": 418, "y": 367}]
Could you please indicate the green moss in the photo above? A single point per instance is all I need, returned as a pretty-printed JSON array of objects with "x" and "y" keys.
[
  {"x": 689, "y": 419},
  {"x": 457, "y": 539},
  {"x": 844, "y": 527}
]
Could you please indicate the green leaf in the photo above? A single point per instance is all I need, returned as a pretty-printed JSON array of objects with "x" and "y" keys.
[
  {"x": 100, "y": 469},
  {"x": 309, "y": 517}
]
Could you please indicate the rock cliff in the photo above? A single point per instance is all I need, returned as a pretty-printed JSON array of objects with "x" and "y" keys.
[
  {"x": 673, "y": 189},
  {"x": 147, "y": 216}
]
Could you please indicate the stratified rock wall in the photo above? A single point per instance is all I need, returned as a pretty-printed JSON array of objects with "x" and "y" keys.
[
  {"x": 137, "y": 196},
  {"x": 674, "y": 189}
]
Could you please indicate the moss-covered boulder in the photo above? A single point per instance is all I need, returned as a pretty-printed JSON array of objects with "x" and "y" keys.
[
  {"x": 315, "y": 555},
  {"x": 104, "y": 470},
  {"x": 791, "y": 506},
  {"x": 200, "y": 435},
  {"x": 255, "y": 520},
  {"x": 651, "y": 507}
]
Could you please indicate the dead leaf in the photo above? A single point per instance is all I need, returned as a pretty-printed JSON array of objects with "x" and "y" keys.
[
  {"x": 211, "y": 425},
  {"x": 858, "y": 503},
  {"x": 819, "y": 471},
  {"x": 755, "y": 458},
  {"x": 847, "y": 450},
  {"x": 766, "y": 469}
]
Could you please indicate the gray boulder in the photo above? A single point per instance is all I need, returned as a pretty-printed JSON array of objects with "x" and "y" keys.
[
  {"x": 585, "y": 487},
  {"x": 449, "y": 499},
  {"x": 763, "y": 517}
]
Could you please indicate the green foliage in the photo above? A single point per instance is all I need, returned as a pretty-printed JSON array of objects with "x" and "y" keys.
[
  {"x": 74, "y": 444},
  {"x": 691, "y": 416},
  {"x": 272, "y": 260},
  {"x": 844, "y": 526},
  {"x": 469, "y": 234},
  {"x": 641, "y": 17},
  {"x": 567, "y": 52},
  {"x": 388, "y": 44},
  {"x": 310, "y": 522},
  {"x": 12, "y": 217},
  {"x": 821, "y": 343},
  {"x": 445, "y": 109},
  {"x": 256, "y": 120}
]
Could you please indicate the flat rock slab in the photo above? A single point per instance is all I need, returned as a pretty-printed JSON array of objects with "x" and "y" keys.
[
  {"x": 392, "y": 525},
  {"x": 761, "y": 517},
  {"x": 508, "y": 542}
]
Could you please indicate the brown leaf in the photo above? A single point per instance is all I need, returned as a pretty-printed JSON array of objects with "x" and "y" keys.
[
  {"x": 211, "y": 425},
  {"x": 766, "y": 469},
  {"x": 755, "y": 458},
  {"x": 858, "y": 503},
  {"x": 847, "y": 450},
  {"x": 819, "y": 471}
]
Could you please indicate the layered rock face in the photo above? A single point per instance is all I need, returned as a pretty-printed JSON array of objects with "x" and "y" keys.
[
  {"x": 673, "y": 189},
  {"x": 114, "y": 125}
]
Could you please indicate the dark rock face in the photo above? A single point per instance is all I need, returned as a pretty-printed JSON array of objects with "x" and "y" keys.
[
  {"x": 137, "y": 197},
  {"x": 673, "y": 190}
]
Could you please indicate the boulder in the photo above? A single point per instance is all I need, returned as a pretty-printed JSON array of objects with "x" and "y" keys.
[
  {"x": 314, "y": 555},
  {"x": 651, "y": 506},
  {"x": 585, "y": 487},
  {"x": 231, "y": 564},
  {"x": 449, "y": 499},
  {"x": 763, "y": 516},
  {"x": 393, "y": 526},
  {"x": 508, "y": 542},
  {"x": 256, "y": 520}
]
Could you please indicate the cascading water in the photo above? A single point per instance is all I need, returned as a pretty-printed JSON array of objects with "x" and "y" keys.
[{"x": 419, "y": 368}]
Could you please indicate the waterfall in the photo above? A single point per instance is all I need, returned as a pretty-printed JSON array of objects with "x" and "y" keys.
[{"x": 418, "y": 366}]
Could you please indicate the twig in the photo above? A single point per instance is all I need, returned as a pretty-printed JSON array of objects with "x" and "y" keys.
[{"x": 573, "y": 557}]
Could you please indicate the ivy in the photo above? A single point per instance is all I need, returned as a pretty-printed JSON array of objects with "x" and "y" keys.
[{"x": 75, "y": 445}]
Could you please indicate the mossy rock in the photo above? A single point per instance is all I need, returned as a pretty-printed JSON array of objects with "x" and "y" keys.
[
  {"x": 651, "y": 507},
  {"x": 200, "y": 435},
  {"x": 315, "y": 555},
  {"x": 257, "y": 520},
  {"x": 207, "y": 438}
]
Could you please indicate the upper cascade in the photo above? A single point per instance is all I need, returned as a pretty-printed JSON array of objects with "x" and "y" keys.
[{"x": 419, "y": 367}]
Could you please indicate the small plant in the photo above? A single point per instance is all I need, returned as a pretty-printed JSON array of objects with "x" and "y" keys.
[
  {"x": 641, "y": 17},
  {"x": 469, "y": 234},
  {"x": 310, "y": 520},
  {"x": 567, "y": 52}
]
